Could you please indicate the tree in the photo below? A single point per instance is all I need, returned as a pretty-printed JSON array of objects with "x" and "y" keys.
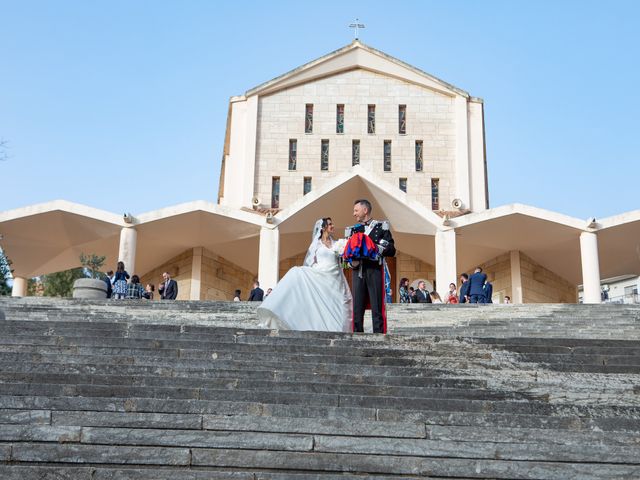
[
  {"x": 60, "y": 284},
  {"x": 5, "y": 274},
  {"x": 93, "y": 263}
]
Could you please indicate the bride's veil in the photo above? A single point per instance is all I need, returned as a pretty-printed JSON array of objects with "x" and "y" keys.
[{"x": 309, "y": 258}]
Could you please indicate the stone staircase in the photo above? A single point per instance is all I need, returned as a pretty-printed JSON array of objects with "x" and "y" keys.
[{"x": 195, "y": 390}]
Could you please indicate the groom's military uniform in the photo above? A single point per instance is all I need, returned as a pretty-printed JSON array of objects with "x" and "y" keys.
[{"x": 368, "y": 278}]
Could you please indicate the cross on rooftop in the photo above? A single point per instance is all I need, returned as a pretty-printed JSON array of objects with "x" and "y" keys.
[{"x": 355, "y": 27}]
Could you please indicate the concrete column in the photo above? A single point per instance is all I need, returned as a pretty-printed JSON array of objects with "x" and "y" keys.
[
  {"x": 446, "y": 271},
  {"x": 196, "y": 273},
  {"x": 19, "y": 287},
  {"x": 590, "y": 267},
  {"x": 269, "y": 259},
  {"x": 516, "y": 277},
  {"x": 127, "y": 251},
  {"x": 463, "y": 186}
]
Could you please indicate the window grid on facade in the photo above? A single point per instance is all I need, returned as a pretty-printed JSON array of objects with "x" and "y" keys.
[
  {"x": 275, "y": 192},
  {"x": 355, "y": 152},
  {"x": 308, "y": 118},
  {"x": 293, "y": 154},
  {"x": 387, "y": 155},
  {"x": 402, "y": 119},
  {"x": 371, "y": 119},
  {"x": 324, "y": 155},
  {"x": 403, "y": 184},
  {"x": 435, "y": 194},
  {"x": 306, "y": 187},
  {"x": 419, "y": 155},
  {"x": 339, "y": 118}
]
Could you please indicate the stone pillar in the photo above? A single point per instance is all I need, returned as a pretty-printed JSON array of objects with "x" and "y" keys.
[
  {"x": 590, "y": 267},
  {"x": 516, "y": 277},
  {"x": 446, "y": 271},
  {"x": 19, "y": 287},
  {"x": 196, "y": 273},
  {"x": 269, "y": 259},
  {"x": 127, "y": 251}
]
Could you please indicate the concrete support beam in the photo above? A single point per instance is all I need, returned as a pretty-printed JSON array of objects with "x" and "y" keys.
[
  {"x": 127, "y": 250},
  {"x": 196, "y": 274},
  {"x": 590, "y": 267},
  {"x": 446, "y": 262},
  {"x": 516, "y": 277},
  {"x": 19, "y": 287},
  {"x": 269, "y": 259}
]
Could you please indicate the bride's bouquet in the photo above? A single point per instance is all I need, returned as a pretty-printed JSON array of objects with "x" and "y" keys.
[{"x": 338, "y": 250}]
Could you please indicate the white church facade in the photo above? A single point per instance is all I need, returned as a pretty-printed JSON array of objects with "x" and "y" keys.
[{"x": 355, "y": 123}]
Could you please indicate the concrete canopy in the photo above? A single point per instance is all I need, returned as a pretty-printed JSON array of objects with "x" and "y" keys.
[
  {"x": 336, "y": 199},
  {"x": 549, "y": 238},
  {"x": 619, "y": 245},
  {"x": 232, "y": 234},
  {"x": 49, "y": 237}
]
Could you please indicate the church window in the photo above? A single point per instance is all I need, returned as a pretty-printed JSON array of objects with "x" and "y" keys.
[
  {"x": 293, "y": 154},
  {"x": 435, "y": 194},
  {"x": 308, "y": 118},
  {"x": 403, "y": 185},
  {"x": 340, "y": 119},
  {"x": 355, "y": 152},
  {"x": 387, "y": 155},
  {"x": 371, "y": 119},
  {"x": 324, "y": 155},
  {"x": 275, "y": 192},
  {"x": 306, "y": 187},
  {"x": 402, "y": 119},
  {"x": 419, "y": 163}
]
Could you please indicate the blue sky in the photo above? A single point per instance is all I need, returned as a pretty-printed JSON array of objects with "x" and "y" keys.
[{"x": 121, "y": 105}]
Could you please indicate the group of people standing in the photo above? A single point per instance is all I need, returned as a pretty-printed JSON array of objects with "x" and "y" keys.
[
  {"x": 121, "y": 285},
  {"x": 474, "y": 288}
]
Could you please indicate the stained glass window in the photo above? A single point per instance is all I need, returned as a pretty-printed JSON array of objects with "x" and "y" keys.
[
  {"x": 275, "y": 192},
  {"x": 403, "y": 185},
  {"x": 419, "y": 163},
  {"x": 355, "y": 152},
  {"x": 340, "y": 119},
  {"x": 402, "y": 119},
  {"x": 293, "y": 154},
  {"x": 371, "y": 119},
  {"x": 435, "y": 195},
  {"x": 306, "y": 187},
  {"x": 308, "y": 118},
  {"x": 387, "y": 155},
  {"x": 324, "y": 155}
]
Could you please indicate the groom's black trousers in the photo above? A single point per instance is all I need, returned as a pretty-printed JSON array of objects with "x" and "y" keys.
[{"x": 369, "y": 287}]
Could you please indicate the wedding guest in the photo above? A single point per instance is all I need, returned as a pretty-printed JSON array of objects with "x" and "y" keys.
[
  {"x": 109, "y": 281},
  {"x": 412, "y": 295},
  {"x": 422, "y": 295},
  {"x": 435, "y": 297},
  {"x": 134, "y": 289},
  {"x": 120, "y": 282},
  {"x": 507, "y": 299},
  {"x": 257, "y": 294},
  {"x": 168, "y": 289},
  {"x": 148, "y": 291},
  {"x": 404, "y": 291},
  {"x": 464, "y": 288},
  {"x": 452, "y": 296},
  {"x": 236, "y": 297}
]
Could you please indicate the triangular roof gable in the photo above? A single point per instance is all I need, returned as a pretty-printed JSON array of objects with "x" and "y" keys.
[{"x": 356, "y": 55}]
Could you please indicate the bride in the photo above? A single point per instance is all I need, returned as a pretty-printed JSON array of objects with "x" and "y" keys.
[{"x": 315, "y": 296}]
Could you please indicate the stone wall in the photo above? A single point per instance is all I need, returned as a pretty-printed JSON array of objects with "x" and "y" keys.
[
  {"x": 540, "y": 285},
  {"x": 430, "y": 118},
  {"x": 179, "y": 267},
  {"x": 498, "y": 272},
  {"x": 220, "y": 278}
]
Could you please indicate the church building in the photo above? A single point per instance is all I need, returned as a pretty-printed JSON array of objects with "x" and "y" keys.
[{"x": 356, "y": 123}]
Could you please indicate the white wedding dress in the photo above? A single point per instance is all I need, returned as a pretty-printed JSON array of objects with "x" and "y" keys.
[{"x": 315, "y": 297}]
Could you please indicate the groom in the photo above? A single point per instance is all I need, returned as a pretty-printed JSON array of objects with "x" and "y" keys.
[{"x": 368, "y": 284}]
